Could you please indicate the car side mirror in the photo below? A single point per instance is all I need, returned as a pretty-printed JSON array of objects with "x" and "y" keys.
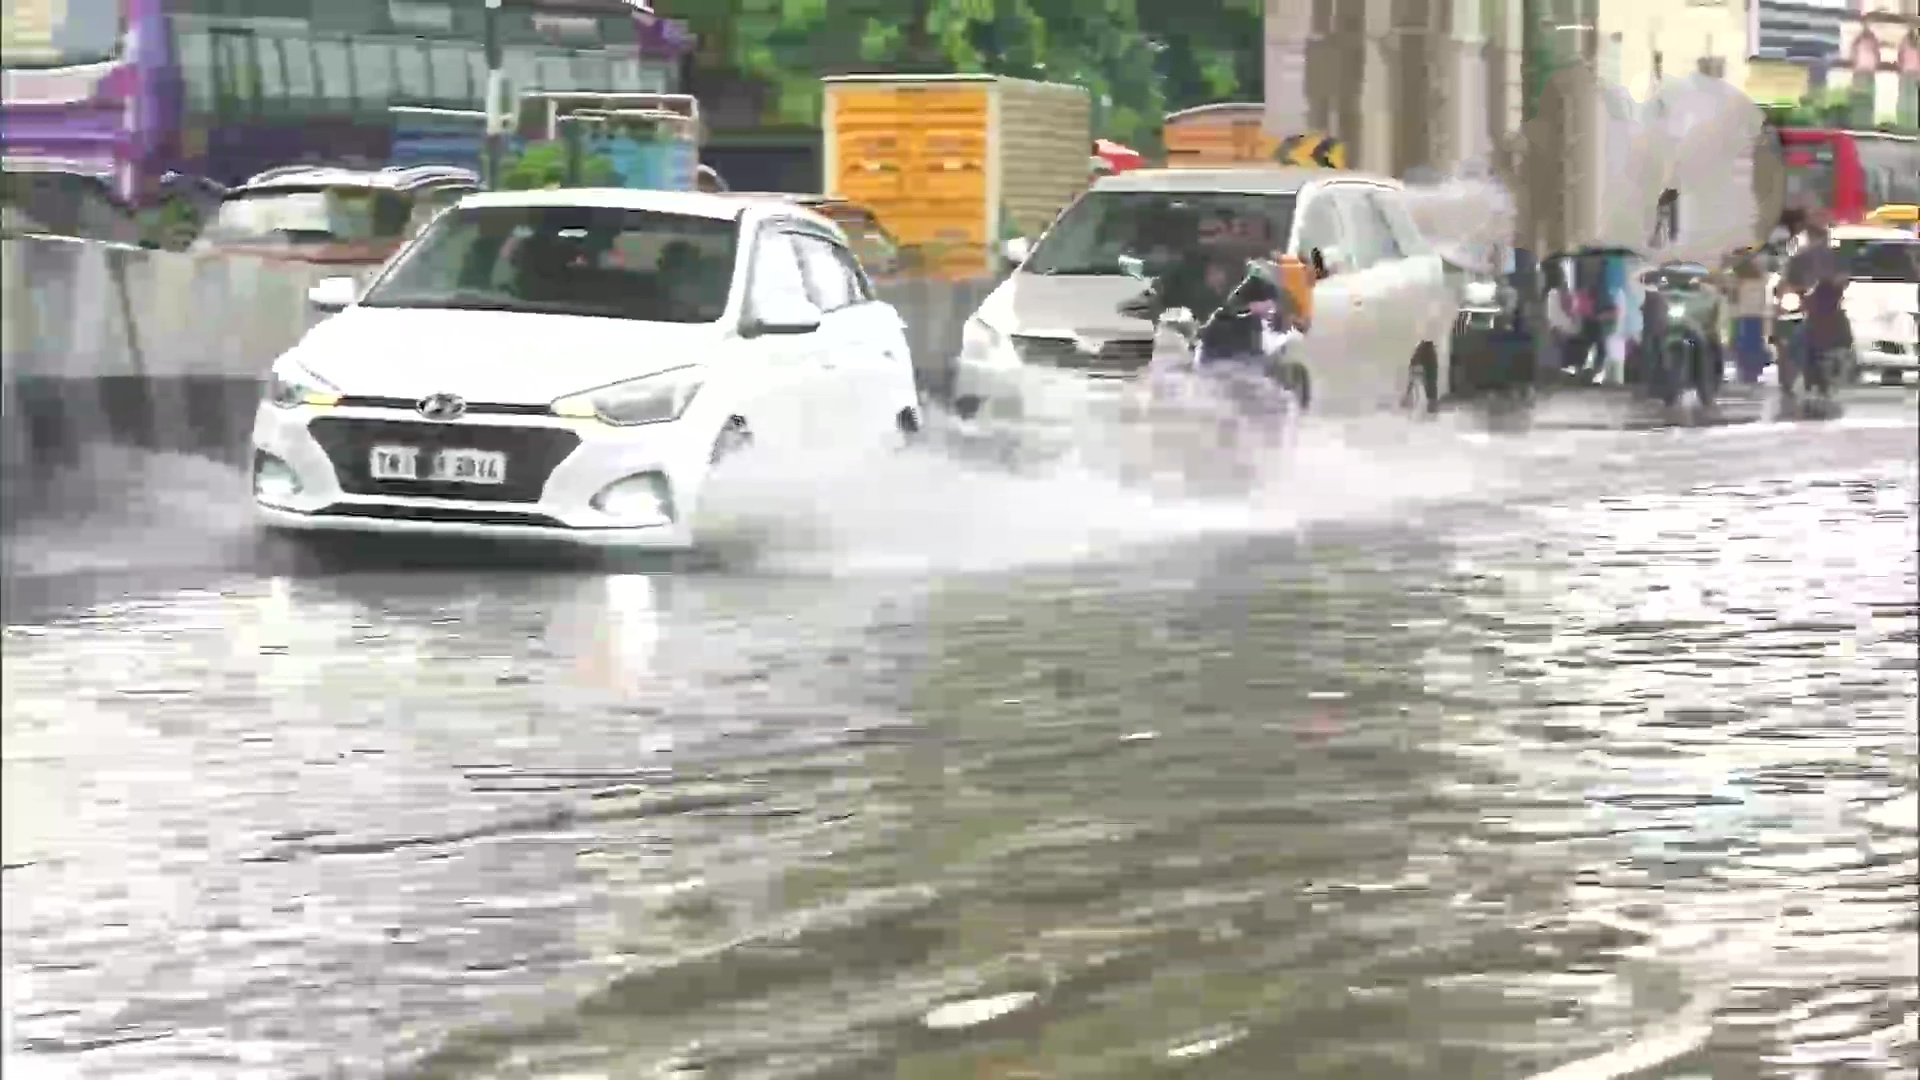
[
  {"x": 333, "y": 294},
  {"x": 1016, "y": 250},
  {"x": 782, "y": 316}
]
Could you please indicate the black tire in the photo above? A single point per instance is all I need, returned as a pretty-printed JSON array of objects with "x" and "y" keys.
[{"x": 1422, "y": 393}]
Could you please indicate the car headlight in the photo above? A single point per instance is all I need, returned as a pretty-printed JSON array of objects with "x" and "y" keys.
[
  {"x": 1790, "y": 303},
  {"x": 981, "y": 342},
  {"x": 652, "y": 399},
  {"x": 1480, "y": 292},
  {"x": 290, "y": 386}
]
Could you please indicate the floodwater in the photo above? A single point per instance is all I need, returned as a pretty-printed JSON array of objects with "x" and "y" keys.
[{"x": 1581, "y": 755}]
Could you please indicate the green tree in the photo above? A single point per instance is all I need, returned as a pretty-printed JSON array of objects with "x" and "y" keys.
[
  {"x": 788, "y": 44},
  {"x": 544, "y": 165}
]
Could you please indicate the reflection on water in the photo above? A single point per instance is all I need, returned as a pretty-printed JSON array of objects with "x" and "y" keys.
[{"x": 1616, "y": 787}]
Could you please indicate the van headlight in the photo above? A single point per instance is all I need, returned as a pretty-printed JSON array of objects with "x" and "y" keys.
[
  {"x": 653, "y": 399},
  {"x": 290, "y": 386}
]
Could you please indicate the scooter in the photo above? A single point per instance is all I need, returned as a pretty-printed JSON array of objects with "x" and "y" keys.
[{"x": 1220, "y": 398}]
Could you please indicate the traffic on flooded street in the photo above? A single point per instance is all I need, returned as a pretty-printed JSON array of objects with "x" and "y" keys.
[{"x": 515, "y": 569}]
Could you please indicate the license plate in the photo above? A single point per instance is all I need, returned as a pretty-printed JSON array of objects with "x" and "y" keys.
[{"x": 450, "y": 466}]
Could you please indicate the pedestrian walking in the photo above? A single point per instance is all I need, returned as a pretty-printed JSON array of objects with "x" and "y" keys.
[{"x": 1750, "y": 309}]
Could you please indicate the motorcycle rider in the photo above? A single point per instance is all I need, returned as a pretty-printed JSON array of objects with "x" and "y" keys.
[{"x": 1815, "y": 274}]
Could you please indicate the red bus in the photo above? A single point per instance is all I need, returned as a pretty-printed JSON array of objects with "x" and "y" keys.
[{"x": 1851, "y": 173}]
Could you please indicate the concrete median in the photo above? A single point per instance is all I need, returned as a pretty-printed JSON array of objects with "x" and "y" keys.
[{"x": 110, "y": 346}]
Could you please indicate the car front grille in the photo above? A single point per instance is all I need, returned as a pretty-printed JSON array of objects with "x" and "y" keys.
[
  {"x": 449, "y": 514},
  {"x": 532, "y": 455},
  {"x": 1119, "y": 355}
]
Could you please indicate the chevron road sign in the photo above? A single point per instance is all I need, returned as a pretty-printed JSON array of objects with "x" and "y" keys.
[{"x": 1312, "y": 150}]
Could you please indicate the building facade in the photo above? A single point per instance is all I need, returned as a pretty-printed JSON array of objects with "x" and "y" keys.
[{"x": 1863, "y": 53}]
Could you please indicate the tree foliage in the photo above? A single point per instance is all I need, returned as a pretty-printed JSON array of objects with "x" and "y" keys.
[
  {"x": 544, "y": 165},
  {"x": 1138, "y": 58}
]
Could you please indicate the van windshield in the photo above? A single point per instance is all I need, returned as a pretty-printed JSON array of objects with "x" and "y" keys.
[{"x": 1159, "y": 227}]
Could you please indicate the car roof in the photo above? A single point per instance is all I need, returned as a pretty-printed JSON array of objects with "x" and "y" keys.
[
  {"x": 1251, "y": 179},
  {"x": 393, "y": 178},
  {"x": 718, "y": 205}
]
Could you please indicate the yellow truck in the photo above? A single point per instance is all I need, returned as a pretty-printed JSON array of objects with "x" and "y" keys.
[{"x": 954, "y": 165}]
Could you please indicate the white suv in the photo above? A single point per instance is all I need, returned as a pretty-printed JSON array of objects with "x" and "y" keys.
[
  {"x": 1382, "y": 315},
  {"x": 569, "y": 365}
]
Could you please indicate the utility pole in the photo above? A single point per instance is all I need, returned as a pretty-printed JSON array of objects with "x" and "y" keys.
[{"x": 495, "y": 104}]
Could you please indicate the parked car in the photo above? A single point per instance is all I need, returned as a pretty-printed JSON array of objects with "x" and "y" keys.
[{"x": 342, "y": 217}]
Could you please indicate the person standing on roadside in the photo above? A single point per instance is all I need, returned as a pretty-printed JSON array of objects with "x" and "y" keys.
[{"x": 1750, "y": 307}]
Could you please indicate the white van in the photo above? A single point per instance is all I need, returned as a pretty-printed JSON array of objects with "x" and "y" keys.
[{"x": 1383, "y": 312}]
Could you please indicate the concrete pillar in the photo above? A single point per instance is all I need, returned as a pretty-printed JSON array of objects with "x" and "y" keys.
[
  {"x": 1471, "y": 127},
  {"x": 1376, "y": 90},
  {"x": 1288, "y": 31}
]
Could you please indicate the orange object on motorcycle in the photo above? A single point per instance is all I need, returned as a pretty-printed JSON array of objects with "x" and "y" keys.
[{"x": 1296, "y": 278}]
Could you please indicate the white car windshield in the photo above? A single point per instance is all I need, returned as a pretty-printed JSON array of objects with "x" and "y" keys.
[
  {"x": 608, "y": 262},
  {"x": 1882, "y": 260},
  {"x": 1159, "y": 227}
]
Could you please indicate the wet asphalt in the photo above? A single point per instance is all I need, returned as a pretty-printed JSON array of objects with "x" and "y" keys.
[{"x": 1599, "y": 757}]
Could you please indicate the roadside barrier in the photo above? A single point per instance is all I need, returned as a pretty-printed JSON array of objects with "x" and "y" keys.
[{"x": 108, "y": 345}]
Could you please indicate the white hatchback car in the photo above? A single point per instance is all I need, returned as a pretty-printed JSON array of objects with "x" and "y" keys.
[
  {"x": 570, "y": 365},
  {"x": 1383, "y": 313}
]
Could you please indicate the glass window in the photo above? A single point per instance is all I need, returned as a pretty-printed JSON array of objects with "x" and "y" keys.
[
  {"x": 1369, "y": 240},
  {"x": 556, "y": 72},
  {"x": 592, "y": 72},
  {"x": 47, "y": 35},
  {"x": 776, "y": 269},
  {"x": 569, "y": 260},
  {"x": 523, "y": 70},
  {"x": 628, "y": 76},
  {"x": 1320, "y": 225},
  {"x": 451, "y": 82},
  {"x": 1882, "y": 260},
  {"x": 827, "y": 278},
  {"x": 297, "y": 53},
  {"x": 333, "y": 67},
  {"x": 414, "y": 80},
  {"x": 1406, "y": 232},
  {"x": 236, "y": 72},
  {"x": 195, "y": 52},
  {"x": 373, "y": 72},
  {"x": 273, "y": 78},
  {"x": 293, "y": 218},
  {"x": 1159, "y": 226}
]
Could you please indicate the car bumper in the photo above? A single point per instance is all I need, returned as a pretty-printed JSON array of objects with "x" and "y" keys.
[
  {"x": 310, "y": 473},
  {"x": 1887, "y": 367}
]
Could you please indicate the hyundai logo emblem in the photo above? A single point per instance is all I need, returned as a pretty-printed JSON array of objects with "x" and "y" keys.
[{"x": 442, "y": 406}]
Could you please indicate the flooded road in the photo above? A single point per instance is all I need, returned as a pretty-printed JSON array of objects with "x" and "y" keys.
[{"x": 1599, "y": 763}]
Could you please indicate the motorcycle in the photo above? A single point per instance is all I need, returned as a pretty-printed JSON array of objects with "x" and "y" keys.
[
  {"x": 1678, "y": 366},
  {"x": 1221, "y": 397},
  {"x": 1804, "y": 394},
  {"x": 1687, "y": 358}
]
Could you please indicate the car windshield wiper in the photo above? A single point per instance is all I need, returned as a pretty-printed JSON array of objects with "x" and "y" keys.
[{"x": 1081, "y": 271}]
